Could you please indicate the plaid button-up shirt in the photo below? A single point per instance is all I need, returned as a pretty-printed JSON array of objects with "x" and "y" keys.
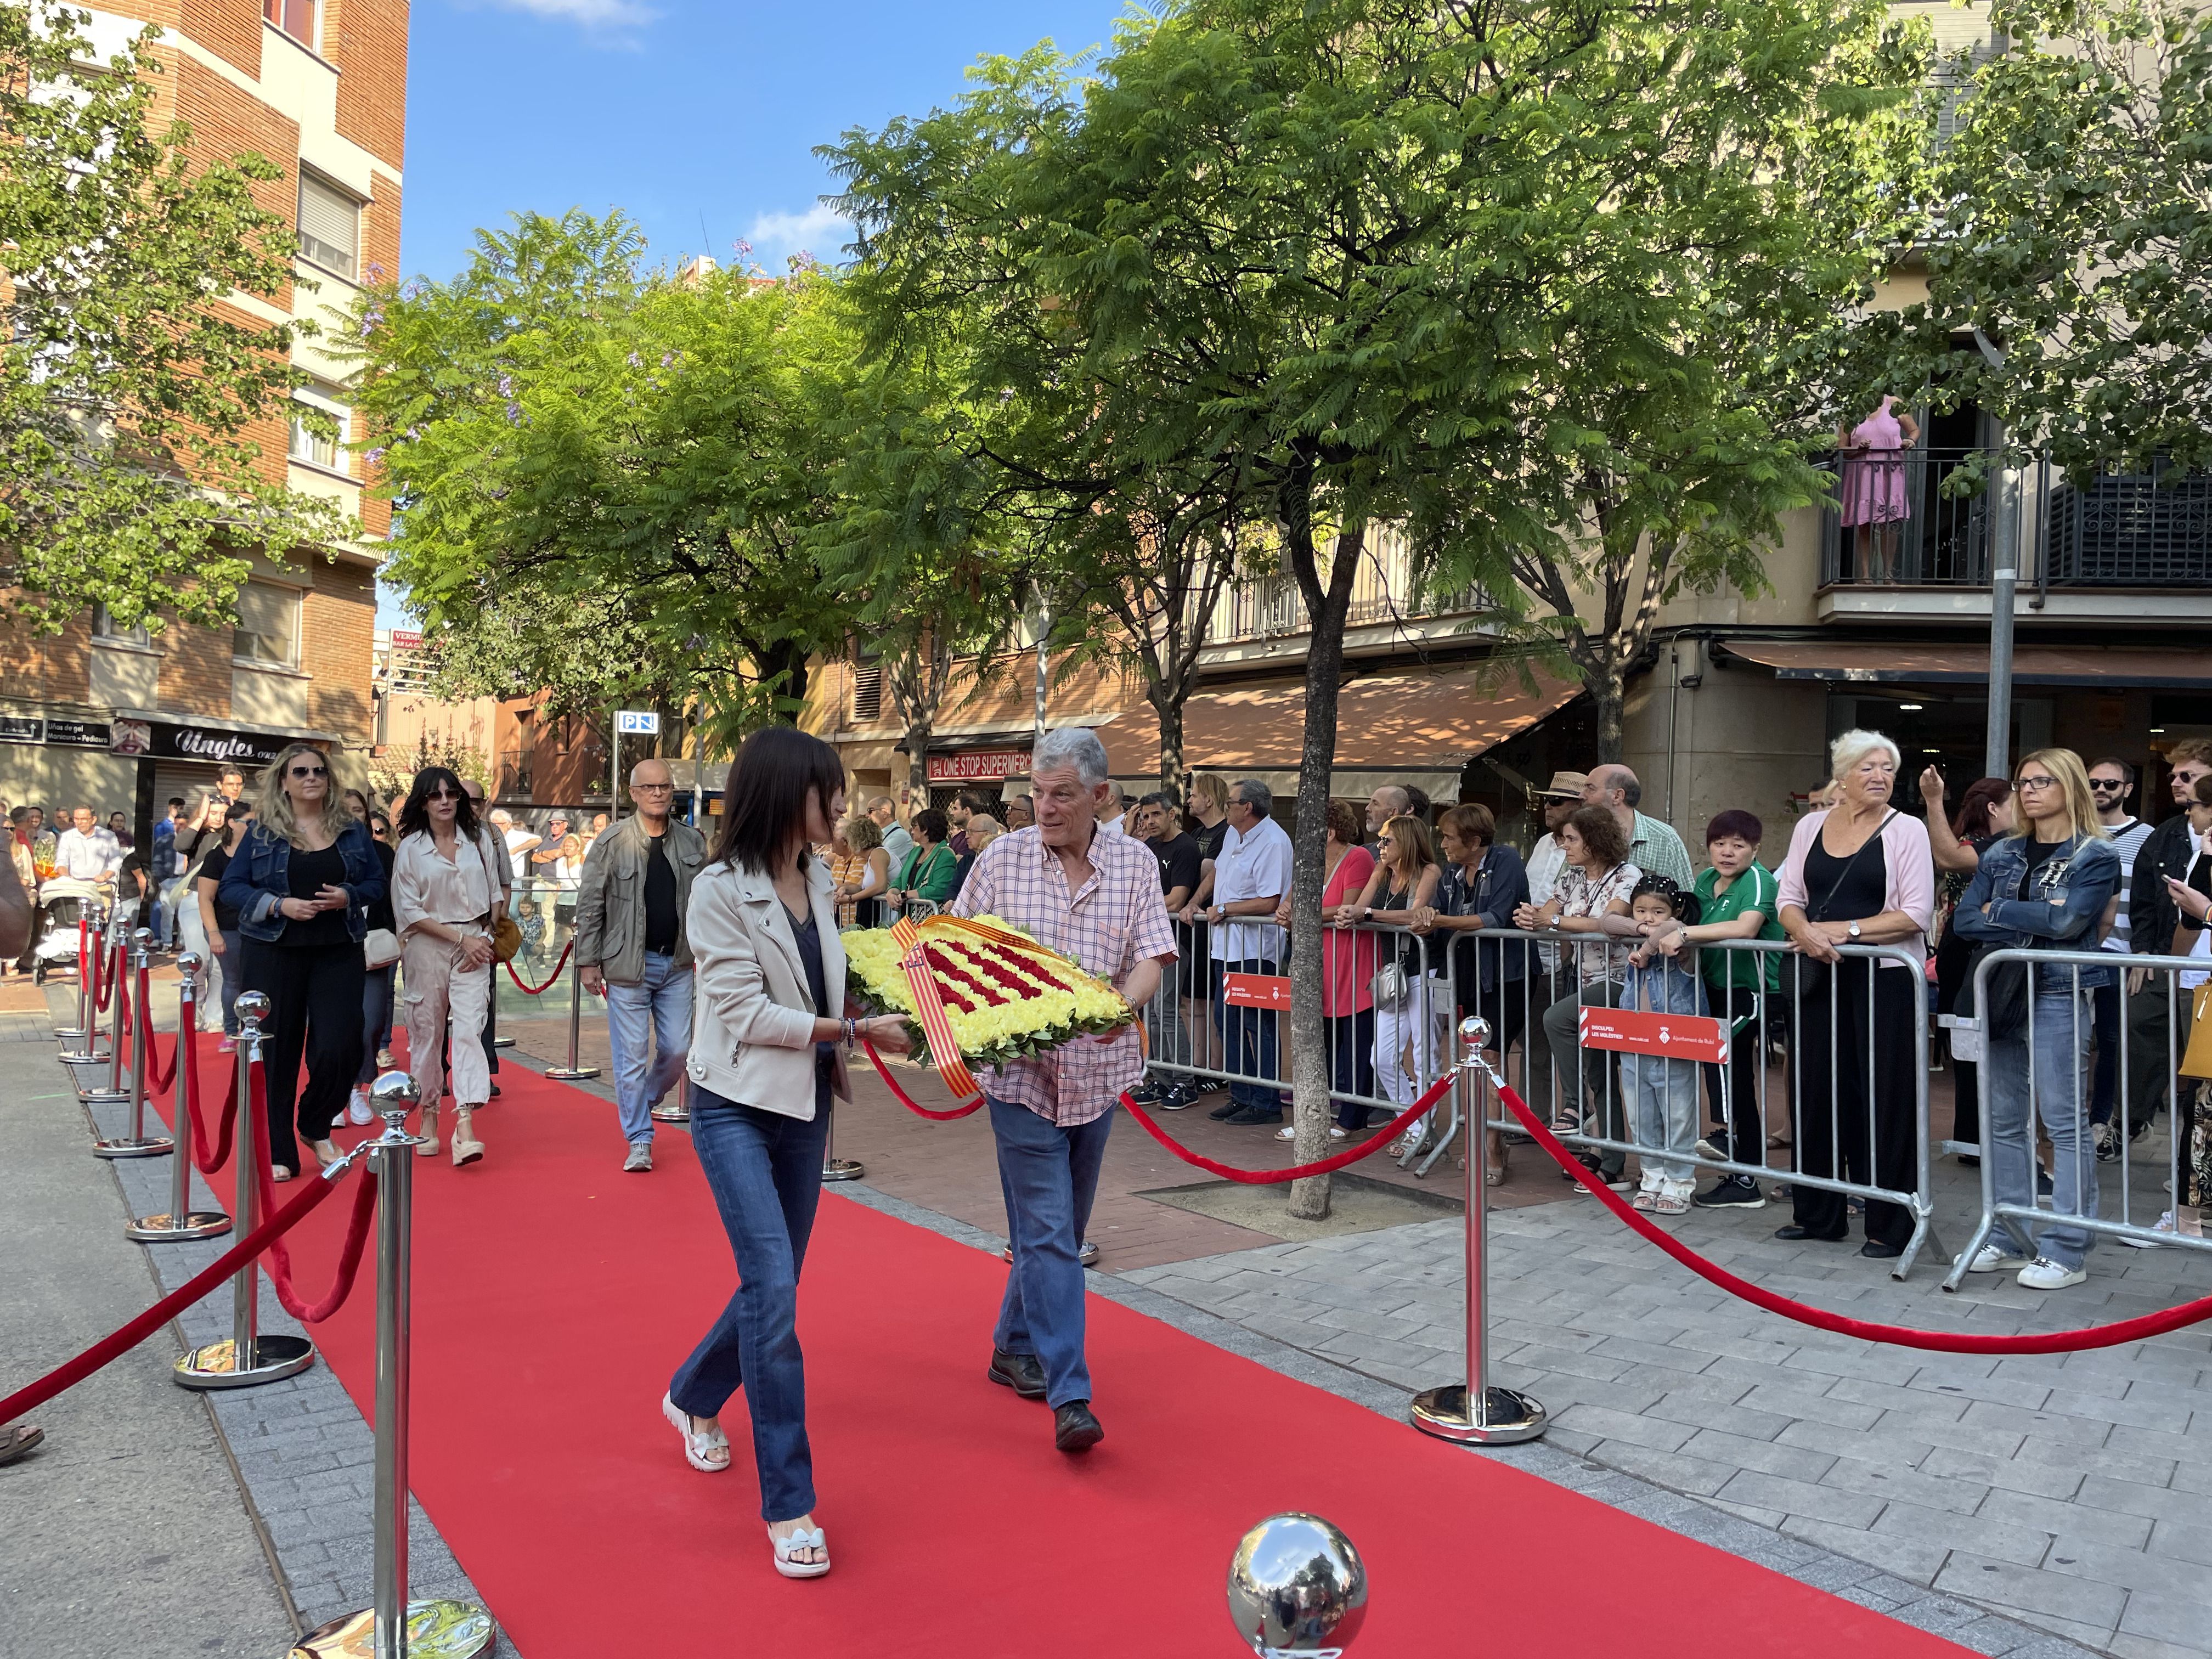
[{"x": 1115, "y": 922}]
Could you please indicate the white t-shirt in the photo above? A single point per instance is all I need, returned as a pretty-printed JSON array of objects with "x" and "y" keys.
[
  {"x": 2127, "y": 841},
  {"x": 1254, "y": 865}
]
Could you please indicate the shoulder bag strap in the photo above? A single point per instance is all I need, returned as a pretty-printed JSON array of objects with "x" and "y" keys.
[{"x": 1836, "y": 885}]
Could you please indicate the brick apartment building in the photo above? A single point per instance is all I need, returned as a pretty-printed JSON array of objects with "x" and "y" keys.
[{"x": 124, "y": 717}]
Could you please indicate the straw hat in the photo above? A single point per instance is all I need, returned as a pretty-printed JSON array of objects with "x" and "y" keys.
[{"x": 1565, "y": 786}]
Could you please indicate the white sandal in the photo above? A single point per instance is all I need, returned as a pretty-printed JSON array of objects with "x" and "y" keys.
[
  {"x": 789, "y": 1545},
  {"x": 697, "y": 1447}
]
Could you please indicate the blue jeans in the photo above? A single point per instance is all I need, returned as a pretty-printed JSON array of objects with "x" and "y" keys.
[
  {"x": 1662, "y": 1113},
  {"x": 765, "y": 1171},
  {"x": 376, "y": 1018},
  {"x": 2060, "y": 1026},
  {"x": 233, "y": 977},
  {"x": 658, "y": 1006},
  {"x": 1049, "y": 1177},
  {"x": 1248, "y": 1041}
]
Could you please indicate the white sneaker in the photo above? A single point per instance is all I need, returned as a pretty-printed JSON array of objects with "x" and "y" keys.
[
  {"x": 357, "y": 1110},
  {"x": 640, "y": 1155},
  {"x": 2045, "y": 1275},
  {"x": 1992, "y": 1258},
  {"x": 2165, "y": 1225}
]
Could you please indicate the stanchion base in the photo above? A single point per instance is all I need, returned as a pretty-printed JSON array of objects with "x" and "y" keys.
[
  {"x": 216, "y": 1367},
  {"x": 146, "y": 1146},
  {"x": 841, "y": 1168},
  {"x": 496, "y": 1042},
  {"x": 1508, "y": 1416},
  {"x": 83, "y": 1059},
  {"x": 69, "y": 1034},
  {"x": 103, "y": 1097},
  {"x": 1088, "y": 1256},
  {"x": 573, "y": 1073},
  {"x": 436, "y": 1629},
  {"x": 672, "y": 1114},
  {"x": 161, "y": 1230}
]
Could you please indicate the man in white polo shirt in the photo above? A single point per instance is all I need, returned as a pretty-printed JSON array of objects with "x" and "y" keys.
[
  {"x": 1250, "y": 879},
  {"x": 2112, "y": 784}
]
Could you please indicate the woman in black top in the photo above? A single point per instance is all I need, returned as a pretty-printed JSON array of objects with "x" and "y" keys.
[
  {"x": 376, "y": 987},
  {"x": 1402, "y": 887},
  {"x": 1482, "y": 885},
  {"x": 302, "y": 880},
  {"x": 219, "y": 920}
]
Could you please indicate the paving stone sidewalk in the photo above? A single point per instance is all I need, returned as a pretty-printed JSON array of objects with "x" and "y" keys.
[{"x": 2072, "y": 1493}]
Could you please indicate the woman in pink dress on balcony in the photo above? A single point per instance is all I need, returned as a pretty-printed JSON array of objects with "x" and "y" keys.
[{"x": 1875, "y": 500}]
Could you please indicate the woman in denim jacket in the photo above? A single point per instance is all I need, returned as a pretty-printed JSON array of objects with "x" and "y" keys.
[
  {"x": 301, "y": 882},
  {"x": 2043, "y": 887}
]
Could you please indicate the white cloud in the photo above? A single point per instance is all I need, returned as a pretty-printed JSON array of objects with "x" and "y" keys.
[
  {"x": 820, "y": 231},
  {"x": 610, "y": 14}
]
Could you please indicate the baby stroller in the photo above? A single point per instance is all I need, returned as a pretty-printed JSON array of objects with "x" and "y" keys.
[{"x": 62, "y": 900}]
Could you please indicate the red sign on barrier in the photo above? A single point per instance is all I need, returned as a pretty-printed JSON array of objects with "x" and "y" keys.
[
  {"x": 1255, "y": 991},
  {"x": 1669, "y": 1036}
]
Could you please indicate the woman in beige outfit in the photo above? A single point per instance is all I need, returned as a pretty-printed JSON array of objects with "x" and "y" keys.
[{"x": 446, "y": 899}]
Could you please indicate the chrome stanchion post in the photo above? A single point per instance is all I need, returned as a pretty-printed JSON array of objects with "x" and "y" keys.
[
  {"x": 834, "y": 1168},
  {"x": 137, "y": 1143},
  {"x": 83, "y": 1030},
  {"x": 395, "y": 1627},
  {"x": 246, "y": 1356},
  {"x": 1473, "y": 1411},
  {"x": 571, "y": 1071},
  {"x": 112, "y": 974},
  {"x": 181, "y": 1220},
  {"x": 497, "y": 1041}
]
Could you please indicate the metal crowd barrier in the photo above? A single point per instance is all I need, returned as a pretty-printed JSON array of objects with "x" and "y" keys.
[
  {"x": 1196, "y": 1040},
  {"x": 2146, "y": 1028}
]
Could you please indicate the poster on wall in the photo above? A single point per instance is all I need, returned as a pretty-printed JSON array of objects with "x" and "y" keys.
[{"x": 78, "y": 734}]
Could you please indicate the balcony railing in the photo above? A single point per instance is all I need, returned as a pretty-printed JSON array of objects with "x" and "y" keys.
[
  {"x": 1269, "y": 606},
  {"x": 1923, "y": 519}
]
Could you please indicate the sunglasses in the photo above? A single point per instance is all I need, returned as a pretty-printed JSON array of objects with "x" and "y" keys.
[
  {"x": 308, "y": 771},
  {"x": 443, "y": 793}
]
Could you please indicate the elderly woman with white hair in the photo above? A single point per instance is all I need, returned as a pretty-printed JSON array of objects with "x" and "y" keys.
[{"x": 1859, "y": 873}]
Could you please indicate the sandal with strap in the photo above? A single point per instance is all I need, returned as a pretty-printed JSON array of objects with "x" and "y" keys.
[
  {"x": 699, "y": 1448},
  {"x": 791, "y": 1543}
]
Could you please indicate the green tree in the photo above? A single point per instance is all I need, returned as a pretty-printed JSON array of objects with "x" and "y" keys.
[
  {"x": 2071, "y": 228},
  {"x": 609, "y": 480},
  {"x": 127, "y": 477}
]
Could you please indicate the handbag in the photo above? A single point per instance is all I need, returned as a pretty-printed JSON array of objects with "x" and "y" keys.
[
  {"x": 2196, "y": 1059},
  {"x": 1812, "y": 975},
  {"x": 380, "y": 949},
  {"x": 506, "y": 932},
  {"x": 1390, "y": 987}
]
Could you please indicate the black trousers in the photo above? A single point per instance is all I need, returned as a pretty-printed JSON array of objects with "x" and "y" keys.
[
  {"x": 1732, "y": 1090},
  {"x": 1857, "y": 1124},
  {"x": 1351, "y": 1064},
  {"x": 314, "y": 993}
]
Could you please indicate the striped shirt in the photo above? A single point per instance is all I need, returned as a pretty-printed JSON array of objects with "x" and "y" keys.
[
  {"x": 1115, "y": 921},
  {"x": 2127, "y": 841}
]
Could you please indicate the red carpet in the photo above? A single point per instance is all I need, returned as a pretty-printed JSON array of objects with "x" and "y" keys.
[{"x": 554, "y": 1295}]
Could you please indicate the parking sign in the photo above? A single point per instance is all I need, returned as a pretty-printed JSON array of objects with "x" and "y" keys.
[{"x": 637, "y": 722}]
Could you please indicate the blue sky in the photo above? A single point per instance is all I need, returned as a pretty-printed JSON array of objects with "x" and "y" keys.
[{"x": 697, "y": 119}]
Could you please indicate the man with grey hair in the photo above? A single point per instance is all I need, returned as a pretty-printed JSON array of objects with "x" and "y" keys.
[
  {"x": 1653, "y": 846},
  {"x": 631, "y": 900},
  {"x": 1388, "y": 802},
  {"x": 1250, "y": 879},
  {"x": 1095, "y": 898}
]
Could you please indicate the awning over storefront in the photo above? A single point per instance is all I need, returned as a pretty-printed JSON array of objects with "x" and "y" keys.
[
  {"x": 1419, "y": 728},
  {"x": 1870, "y": 662}
]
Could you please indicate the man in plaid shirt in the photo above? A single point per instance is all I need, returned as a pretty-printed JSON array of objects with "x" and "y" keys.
[{"x": 1096, "y": 898}]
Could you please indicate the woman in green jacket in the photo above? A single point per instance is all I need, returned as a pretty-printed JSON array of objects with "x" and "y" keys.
[{"x": 931, "y": 872}]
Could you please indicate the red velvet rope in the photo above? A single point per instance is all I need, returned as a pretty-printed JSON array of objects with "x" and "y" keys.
[
  {"x": 104, "y": 979},
  {"x": 1297, "y": 1172},
  {"x": 109, "y": 1348},
  {"x": 908, "y": 1101},
  {"x": 280, "y": 1258},
  {"x": 208, "y": 1155},
  {"x": 536, "y": 990},
  {"x": 1902, "y": 1336}
]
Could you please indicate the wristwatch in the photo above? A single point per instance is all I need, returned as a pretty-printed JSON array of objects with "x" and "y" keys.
[{"x": 1853, "y": 930}]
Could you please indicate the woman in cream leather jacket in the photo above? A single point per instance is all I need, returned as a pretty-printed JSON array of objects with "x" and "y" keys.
[{"x": 769, "y": 1032}]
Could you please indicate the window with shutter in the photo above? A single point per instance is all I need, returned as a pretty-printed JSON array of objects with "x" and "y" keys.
[
  {"x": 268, "y": 630},
  {"x": 330, "y": 226},
  {"x": 868, "y": 693}
]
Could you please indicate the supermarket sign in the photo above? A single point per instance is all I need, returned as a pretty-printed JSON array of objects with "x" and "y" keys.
[
  {"x": 1667, "y": 1036},
  {"x": 971, "y": 764}
]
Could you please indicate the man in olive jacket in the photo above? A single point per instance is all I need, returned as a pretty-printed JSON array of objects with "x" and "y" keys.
[{"x": 630, "y": 945}]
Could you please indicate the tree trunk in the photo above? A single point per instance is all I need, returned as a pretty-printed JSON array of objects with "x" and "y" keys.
[
  {"x": 783, "y": 669},
  {"x": 1310, "y": 1048},
  {"x": 917, "y": 769},
  {"x": 1169, "y": 707},
  {"x": 1608, "y": 688}
]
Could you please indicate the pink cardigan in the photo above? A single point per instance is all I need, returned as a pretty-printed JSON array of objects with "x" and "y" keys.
[{"x": 1911, "y": 879}]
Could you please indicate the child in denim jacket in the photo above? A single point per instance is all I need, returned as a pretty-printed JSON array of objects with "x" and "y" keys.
[{"x": 1662, "y": 1095}]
